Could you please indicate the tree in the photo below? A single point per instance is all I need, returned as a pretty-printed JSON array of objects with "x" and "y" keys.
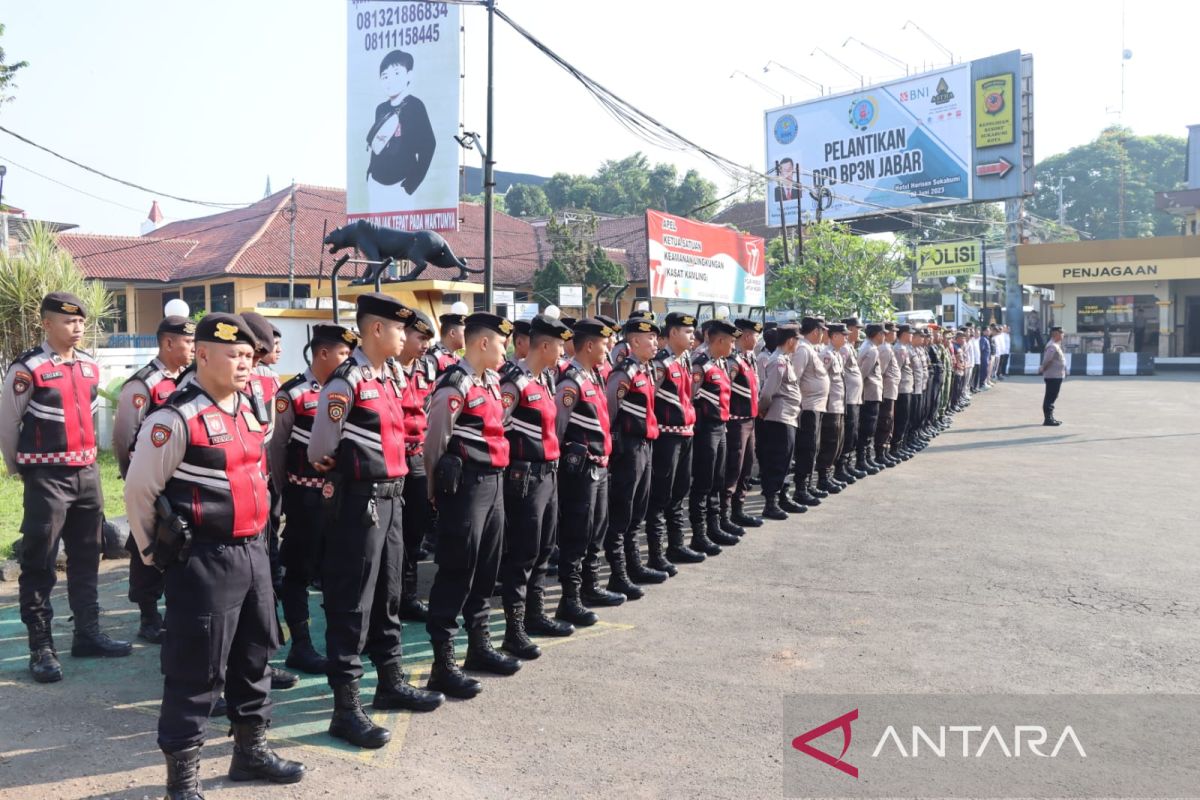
[
  {"x": 576, "y": 258},
  {"x": 547, "y": 280},
  {"x": 8, "y": 72},
  {"x": 523, "y": 200},
  {"x": 629, "y": 186},
  {"x": 694, "y": 197},
  {"x": 497, "y": 201},
  {"x": 959, "y": 222},
  {"x": 1096, "y": 176},
  {"x": 29, "y": 273},
  {"x": 842, "y": 274},
  {"x": 603, "y": 271}
]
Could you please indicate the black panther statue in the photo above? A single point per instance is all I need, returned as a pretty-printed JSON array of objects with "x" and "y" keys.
[{"x": 376, "y": 244}]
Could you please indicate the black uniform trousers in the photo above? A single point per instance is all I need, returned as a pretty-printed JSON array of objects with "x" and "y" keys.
[
  {"x": 470, "y": 541},
  {"x": 708, "y": 469},
  {"x": 903, "y": 410},
  {"x": 222, "y": 631},
  {"x": 808, "y": 441},
  {"x": 582, "y": 521},
  {"x": 300, "y": 550},
  {"x": 418, "y": 519},
  {"x": 868, "y": 420},
  {"x": 670, "y": 482},
  {"x": 145, "y": 583},
  {"x": 850, "y": 429},
  {"x": 885, "y": 424},
  {"x": 775, "y": 449},
  {"x": 831, "y": 439},
  {"x": 360, "y": 580},
  {"x": 1053, "y": 386},
  {"x": 530, "y": 532},
  {"x": 739, "y": 460},
  {"x": 61, "y": 503},
  {"x": 628, "y": 492}
]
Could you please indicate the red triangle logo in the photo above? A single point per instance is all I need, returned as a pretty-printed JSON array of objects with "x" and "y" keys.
[{"x": 842, "y": 722}]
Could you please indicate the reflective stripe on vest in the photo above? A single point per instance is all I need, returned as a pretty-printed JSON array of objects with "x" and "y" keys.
[
  {"x": 712, "y": 396},
  {"x": 478, "y": 436},
  {"x": 372, "y": 445},
  {"x": 530, "y": 429},
  {"x": 418, "y": 386},
  {"x": 673, "y": 396},
  {"x": 635, "y": 417},
  {"x": 58, "y": 427},
  {"x": 588, "y": 421},
  {"x": 304, "y": 396},
  {"x": 743, "y": 398}
]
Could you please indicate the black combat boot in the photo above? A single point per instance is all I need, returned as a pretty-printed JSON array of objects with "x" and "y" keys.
[
  {"x": 804, "y": 496},
  {"x": 772, "y": 510},
  {"x": 183, "y": 774},
  {"x": 395, "y": 692},
  {"x": 253, "y": 758},
  {"x": 90, "y": 641},
  {"x": 618, "y": 579},
  {"x": 639, "y": 573},
  {"x": 591, "y": 594},
  {"x": 740, "y": 517},
  {"x": 657, "y": 559},
  {"x": 150, "y": 628},
  {"x": 446, "y": 677},
  {"x": 680, "y": 553},
  {"x": 413, "y": 610},
  {"x": 482, "y": 657},
  {"x": 810, "y": 484},
  {"x": 841, "y": 475},
  {"x": 282, "y": 679},
  {"x": 302, "y": 655},
  {"x": 536, "y": 621},
  {"x": 43, "y": 659},
  {"x": 825, "y": 484},
  {"x": 787, "y": 505},
  {"x": 716, "y": 534},
  {"x": 863, "y": 465},
  {"x": 516, "y": 640},
  {"x": 727, "y": 525},
  {"x": 351, "y": 723},
  {"x": 700, "y": 541},
  {"x": 572, "y": 611}
]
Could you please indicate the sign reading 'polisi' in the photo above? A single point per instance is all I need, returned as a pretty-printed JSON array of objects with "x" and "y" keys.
[{"x": 941, "y": 259}]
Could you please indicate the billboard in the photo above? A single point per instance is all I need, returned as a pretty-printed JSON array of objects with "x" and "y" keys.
[
  {"x": 692, "y": 260},
  {"x": 942, "y": 259},
  {"x": 402, "y": 110}
]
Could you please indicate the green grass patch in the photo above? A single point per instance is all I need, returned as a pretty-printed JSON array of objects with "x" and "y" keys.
[{"x": 12, "y": 488}]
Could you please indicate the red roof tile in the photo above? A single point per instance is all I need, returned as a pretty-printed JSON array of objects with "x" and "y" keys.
[{"x": 126, "y": 257}]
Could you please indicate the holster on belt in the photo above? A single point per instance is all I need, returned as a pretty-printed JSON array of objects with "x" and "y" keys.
[
  {"x": 517, "y": 476},
  {"x": 172, "y": 536},
  {"x": 575, "y": 458},
  {"x": 332, "y": 495},
  {"x": 448, "y": 474}
]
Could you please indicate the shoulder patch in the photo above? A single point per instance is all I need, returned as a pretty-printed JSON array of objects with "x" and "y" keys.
[
  {"x": 281, "y": 405},
  {"x": 455, "y": 402},
  {"x": 139, "y": 400},
  {"x": 569, "y": 397},
  {"x": 21, "y": 382},
  {"x": 160, "y": 434},
  {"x": 338, "y": 403}
]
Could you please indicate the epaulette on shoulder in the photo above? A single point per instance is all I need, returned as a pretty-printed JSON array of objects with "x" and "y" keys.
[
  {"x": 144, "y": 373},
  {"x": 456, "y": 377},
  {"x": 85, "y": 354},
  {"x": 630, "y": 366},
  {"x": 698, "y": 362},
  {"x": 293, "y": 382},
  {"x": 181, "y": 397},
  {"x": 510, "y": 372}
]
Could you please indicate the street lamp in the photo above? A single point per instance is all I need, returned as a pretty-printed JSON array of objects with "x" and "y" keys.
[
  {"x": 862, "y": 81},
  {"x": 878, "y": 52},
  {"x": 3, "y": 172},
  {"x": 910, "y": 24},
  {"x": 820, "y": 87},
  {"x": 757, "y": 82}
]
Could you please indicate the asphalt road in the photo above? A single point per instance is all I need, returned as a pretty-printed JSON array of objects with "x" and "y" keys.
[{"x": 1007, "y": 557}]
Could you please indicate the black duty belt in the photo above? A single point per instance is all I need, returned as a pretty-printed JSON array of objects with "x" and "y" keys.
[
  {"x": 539, "y": 468},
  {"x": 228, "y": 541},
  {"x": 381, "y": 490},
  {"x": 481, "y": 469}
]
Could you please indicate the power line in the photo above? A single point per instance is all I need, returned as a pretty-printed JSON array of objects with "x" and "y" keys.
[{"x": 68, "y": 186}]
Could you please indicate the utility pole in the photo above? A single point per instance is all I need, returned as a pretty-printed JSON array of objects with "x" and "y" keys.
[
  {"x": 1014, "y": 299},
  {"x": 787, "y": 259},
  {"x": 489, "y": 161},
  {"x": 1062, "y": 210},
  {"x": 292, "y": 248}
]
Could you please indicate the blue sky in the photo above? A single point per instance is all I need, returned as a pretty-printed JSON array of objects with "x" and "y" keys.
[{"x": 205, "y": 100}]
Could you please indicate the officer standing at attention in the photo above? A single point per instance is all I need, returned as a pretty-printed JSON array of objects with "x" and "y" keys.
[
  {"x": 358, "y": 443},
  {"x": 902, "y": 351},
  {"x": 835, "y": 408},
  {"x": 872, "y": 378},
  {"x": 710, "y": 396},
  {"x": 445, "y": 352},
  {"x": 531, "y": 487},
  {"x": 1053, "y": 370},
  {"x": 466, "y": 453},
  {"x": 890, "y": 368},
  {"x": 146, "y": 390},
  {"x": 779, "y": 408},
  {"x": 420, "y": 377},
  {"x": 739, "y": 431},
  {"x": 204, "y": 453},
  {"x": 606, "y": 367},
  {"x": 814, "y": 395},
  {"x": 629, "y": 396},
  {"x": 848, "y": 469},
  {"x": 585, "y": 440},
  {"x": 671, "y": 476},
  {"x": 301, "y": 484},
  {"x": 520, "y": 341},
  {"x": 47, "y": 436}
]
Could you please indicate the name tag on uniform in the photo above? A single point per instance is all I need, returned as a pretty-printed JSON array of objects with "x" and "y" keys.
[
  {"x": 478, "y": 401},
  {"x": 675, "y": 374},
  {"x": 590, "y": 393},
  {"x": 639, "y": 383},
  {"x": 214, "y": 424},
  {"x": 368, "y": 394},
  {"x": 533, "y": 398},
  {"x": 310, "y": 404},
  {"x": 49, "y": 376}
]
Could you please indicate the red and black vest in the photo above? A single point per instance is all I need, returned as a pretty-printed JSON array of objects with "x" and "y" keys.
[
  {"x": 220, "y": 487},
  {"x": 604, "y": 371},
  {"x": 418, "y": 387},
  {"x": 530, "y": 427},
  {"x": 263, "y": 385},
  {"x": 478, "y": 435},
  {"x": 743, "y": 385},
  {"x": 673, "y": 407},
  {"x": 444, "y": 359},
  {"x": 588, "y": 421},
  {"x": 159, "y": 385},
  {"x": 302, "y": 393},
  {"x": 712, "y": 394},
  {"x": 372, "y": 444},
  {"x": 635, "y": 415},
  {"x": 57, "y": 427}
]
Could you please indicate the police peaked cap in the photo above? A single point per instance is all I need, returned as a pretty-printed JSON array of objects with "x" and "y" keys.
[
  {"x": 64, "y": 303},
  {"x": 873, "y": 329},
  {"x": 381, "y": 305},
  {"x": 785, "y": 332},
  {"x": 904, "y": 329},
  {"x": 543, "y": 325},
  {"x": 593, "y": 326},
  {"x": 325, "y": 333},
  {"x": 176, "y": 324},
  {"x": 810, "y": 324},
  {"x": 720, "y": 326},
  {"x": 889, "y": 326},
  {"x": 491, "y": 322},
  {"x": 852, "y": 322},
  {"x": 609, "y": 321},
  {"x": 836, "y": 327},
  {"x": 1056, "y": 328},
  {"x": 640, "y": 325},
  {"x": 420, "y": 323},
  {"x": 748, "y": 325},
  {"x": 263, "y": 333},
  {"x": 225, "y": 329},
  {"x": 677, "y": 319},
  {"x": 568, "y": 321}
]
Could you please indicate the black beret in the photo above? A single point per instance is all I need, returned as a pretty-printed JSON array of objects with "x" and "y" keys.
[
  {"x": 593, "y": 326},
  {"x": 609, "y": 321},
  {"x": 450, "y": 320},
  {"x": 420, "y": 323},
  {"x": 677, "y": 319},
  {"x": 901, "y": 329},
  {"x": 333, "y": 334},
  {"x": 522, "y": 327},
  {"x": 64, "y": 303},
  {"x": 748, "y": 325},
  {"x": 785, "y": 332},
  {"x": 771, "y": 338},
  {"x": 264, "y": 339},
  {"x": 836, "y": 327},
  {"x": 177, "y": 325},
  {"x": 640, "y": 325},
  {"x": 568, "y": 321},
  {"x": 852, "y": 322},
  {"x": 874, "y": 329},
  {"x": 548, "y": 326},
  {"x": 889, "y": 326},
  {"x": 642, "y": 313},
  {"x": 720, "y": 326},
  {"x": 491, "y": 322},
  {"x": 1056, "y": 328},
  {"x": 382, "y": 305},
  {"x": 225, "y": 329},
  {"x": 275, "y": 332},
  {"x": 810, "y": 324}
]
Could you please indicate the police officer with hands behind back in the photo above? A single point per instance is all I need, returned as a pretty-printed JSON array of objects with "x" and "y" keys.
[
  {"x": 710, "y": 396},
  {"x": 200, "y": 466},
  {"x": 357, "y": 442}
]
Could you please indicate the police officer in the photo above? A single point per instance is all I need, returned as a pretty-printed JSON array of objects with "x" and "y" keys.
[
  {"x": 301, "y": 484},
  {"x": 357, "y": 441},
  {"x": 466, "y": 452},
  {"x": 902, "y": 351},
  {"x": 445, "y": 352},
  {"x": 710, "y": 396},
  {"x": 890, "y": 369},
  {"x": 848, "y": 470},
  {"x": 420, "y": 377},
  {"x": 833, "y": 419},
  {"x": 606, "y": 367},
  {"x": 47, "y": 436},
  {"x": 531, "y": 487},
  {"x": 520, "y": 341},
  {"x": 872, "y": 377},
  {"x": 146, "y": 390},
  {"x": 204, "y": 453},
  {"x": 671, "y": 476},
  {"x": 814, "y": 394},
  {"x": 779, "y": 408},
  {"x": 630, "y": 398},
  {"x": 739, "y": 431},
  {"x": 584, "y": 435},
  {"x": 1053, "y": 370}
]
